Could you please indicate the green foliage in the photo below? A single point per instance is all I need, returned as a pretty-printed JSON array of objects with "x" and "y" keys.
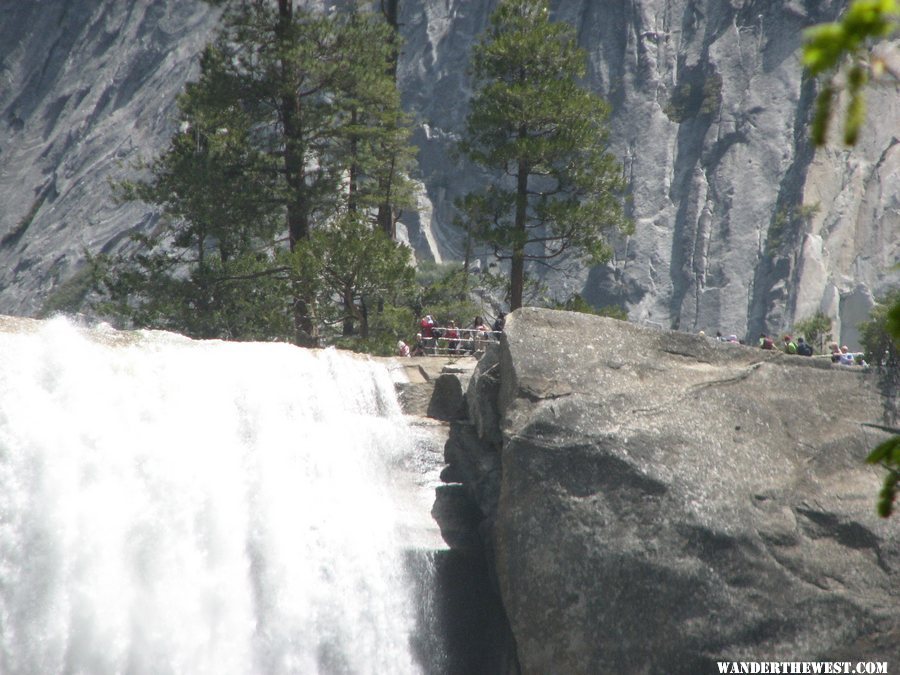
[
  {"x": 816, "y": 330},
  {"x": 887, "y": 454},
  {"x": 827, "y": 44},
  {"x": 880, "y": 337},
  {"x": 242, "y": 298},
  {"x": 576, "y": 303},
  {"x": 787, "y": 224},
  {"x": 352, "y": 267},
  {"x": 386, "y": 326},
  {"x": 69, "y": 296},
  {"x": 445, "y": 293},
  {"x": 555, "y": 188},
  {"x": 291, "y": 145},
  {"x": 695, "y": 94},
  {"x": 826, "y": 47}
]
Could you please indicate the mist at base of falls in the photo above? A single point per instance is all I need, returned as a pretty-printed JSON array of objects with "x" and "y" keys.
[{"x": 177, "y": 506}]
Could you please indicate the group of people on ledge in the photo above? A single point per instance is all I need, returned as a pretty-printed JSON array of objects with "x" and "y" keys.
[
  {"x": 841, "y": 355},
  {"x": 434, "y": 340}
]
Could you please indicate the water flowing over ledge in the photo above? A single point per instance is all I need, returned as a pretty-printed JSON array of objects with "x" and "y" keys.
[{"x": 176, "y": 506}]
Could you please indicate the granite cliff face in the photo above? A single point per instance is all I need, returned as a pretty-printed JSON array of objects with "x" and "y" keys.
[
  {"x": 662, "y": 500},
  {"x": 740, "y": 225},
  {"x": 87, "y": 89}
]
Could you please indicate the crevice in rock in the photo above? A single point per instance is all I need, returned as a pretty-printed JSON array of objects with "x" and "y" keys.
[
  {"x": 478, "y": 635},
  {"x": 740, "y": 377},
  {"x": 848, "y": 534}
]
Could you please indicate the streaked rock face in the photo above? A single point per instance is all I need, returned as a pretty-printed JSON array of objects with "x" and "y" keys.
[
  {"x": 666, "y": 501},
  {"x": 88, "y": 89},
  {"x": 741, "y": 226}
]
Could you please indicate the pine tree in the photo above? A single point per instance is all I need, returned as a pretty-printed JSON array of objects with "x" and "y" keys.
[
  {"x": 556, "y": 187},
  {"x": 294, "y": 121},
  {"x": 356, "y": 264},
  {"x": 206, "y": 269}
]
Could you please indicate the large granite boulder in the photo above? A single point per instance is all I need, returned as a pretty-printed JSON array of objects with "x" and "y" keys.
[{"x": 667, "y": 501}]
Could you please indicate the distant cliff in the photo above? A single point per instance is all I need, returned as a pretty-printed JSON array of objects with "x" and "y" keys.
[
  {"x": 741, "y": 226},
  {"x": 663, "y": 500},
  {"x": 88, "y": 89}
]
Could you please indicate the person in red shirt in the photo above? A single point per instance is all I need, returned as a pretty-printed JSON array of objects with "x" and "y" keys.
[{"x": 427, "y": 325}]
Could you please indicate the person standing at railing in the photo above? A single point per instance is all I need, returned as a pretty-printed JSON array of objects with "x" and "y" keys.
[
  {"x": 835, "y": 352},
  {"x": 427, "y": 325},
  {"x": 498, "y": 324},
  {"x": 790, "y": 347},
  {"x": 846, "y": 358},
  {"x": 418, "y": 349},
  {"x": 452, "y": 335},
  {"x": 479, "y": 335}
]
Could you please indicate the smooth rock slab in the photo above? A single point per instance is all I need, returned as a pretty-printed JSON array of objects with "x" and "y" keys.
[{"x": 668, "y": 501}]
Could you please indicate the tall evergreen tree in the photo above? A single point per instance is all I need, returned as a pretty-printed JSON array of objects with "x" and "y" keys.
[
  {"x": 207, "y": 268},
  {"x": 294, "y": 121},
  {"x": 392, "y": 177},
  {"x": 355, "y": 264},
  {"x": 556, "y": 187}
]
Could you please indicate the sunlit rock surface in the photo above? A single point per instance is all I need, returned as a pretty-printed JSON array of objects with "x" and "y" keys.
[
  {"x": 667, "y": 501},
  {"x": 87, "y": 89}
]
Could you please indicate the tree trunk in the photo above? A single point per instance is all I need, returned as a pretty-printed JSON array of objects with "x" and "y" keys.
[
  {"x": 363, "y": 319},
  {"x": 353, "y": 173},
  {"x": 387, "y": 214},
  {"x": 306, "y": 329},
  {"x": 349, "y": 312},
  {"x": 517, "y": 270}
]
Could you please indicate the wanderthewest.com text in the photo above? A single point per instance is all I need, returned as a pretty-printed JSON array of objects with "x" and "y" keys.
[{"x": 790, "y": 667}]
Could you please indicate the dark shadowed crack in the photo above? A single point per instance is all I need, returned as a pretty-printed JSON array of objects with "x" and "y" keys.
[
  {"x": 740, "y": 377},
  {"x": 848, "y": 534},
  {"x": 536, "y": 397}
]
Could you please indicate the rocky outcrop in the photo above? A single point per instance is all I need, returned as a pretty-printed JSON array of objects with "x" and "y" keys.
[
  {"x": 462, "y": 620},
  {"x": 663, "y": 500}
]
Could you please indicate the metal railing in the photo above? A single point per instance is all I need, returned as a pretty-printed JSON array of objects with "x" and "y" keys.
[{"x": 466, "y": 341}]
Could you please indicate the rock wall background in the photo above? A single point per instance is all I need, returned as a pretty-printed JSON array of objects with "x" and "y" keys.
[
  {"x": 87, "y": 88},
  {"x": 740, "y": 225}
]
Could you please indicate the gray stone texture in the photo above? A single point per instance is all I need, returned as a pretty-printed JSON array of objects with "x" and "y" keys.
[
  {"x": 740, "y": 225},
  {"x": 667, "y": 501},
  {"x": 87, "y": 89}
]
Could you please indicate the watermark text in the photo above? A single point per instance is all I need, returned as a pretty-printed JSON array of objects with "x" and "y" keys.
[{"x": 790, "y": 667}]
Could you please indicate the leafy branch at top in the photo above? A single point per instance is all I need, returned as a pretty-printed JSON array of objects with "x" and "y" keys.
[
  {"x": 826, "y": 47},
  {"x": 824, "y": 52}
]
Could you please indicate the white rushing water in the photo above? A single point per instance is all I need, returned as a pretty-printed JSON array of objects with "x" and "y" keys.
[{"x": 177, "y": 506}]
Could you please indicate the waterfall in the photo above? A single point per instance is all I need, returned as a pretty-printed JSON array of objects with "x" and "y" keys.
[{"x": 178, "y": 506}]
